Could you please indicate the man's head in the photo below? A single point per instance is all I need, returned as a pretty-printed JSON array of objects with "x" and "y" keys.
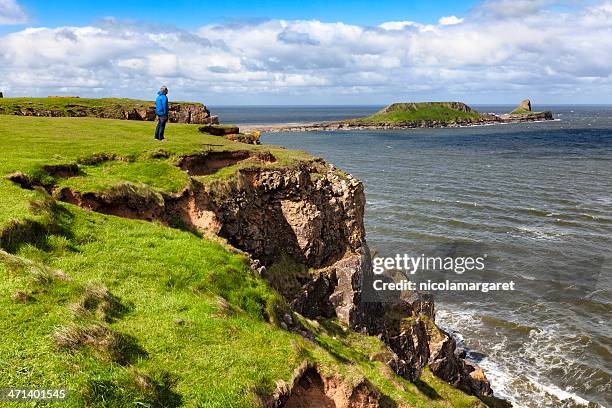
[{"x": 164, "y": 90}]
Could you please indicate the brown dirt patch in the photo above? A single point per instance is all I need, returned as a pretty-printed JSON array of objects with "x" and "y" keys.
[
  {"x": 209, "y": 163},
  {"x": 311, "y": 390}
]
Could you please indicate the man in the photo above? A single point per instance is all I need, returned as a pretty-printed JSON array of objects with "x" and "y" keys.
[{"x": 161, "y": 109}]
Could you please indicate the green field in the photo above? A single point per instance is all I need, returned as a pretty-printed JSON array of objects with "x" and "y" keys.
[{"x": 130, "y": 313}]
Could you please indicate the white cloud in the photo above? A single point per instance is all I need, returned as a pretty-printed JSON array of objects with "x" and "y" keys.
[
  {"x": 489, "y": 54},
  {"x": 511, "y": 8},
  {"x": 398, "y": 25},
  {"x": 450, "y": 20},
  {"x": 11, "y": 13}
]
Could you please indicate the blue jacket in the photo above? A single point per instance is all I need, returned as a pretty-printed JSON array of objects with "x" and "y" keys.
[{"x": 161, "y": 104}]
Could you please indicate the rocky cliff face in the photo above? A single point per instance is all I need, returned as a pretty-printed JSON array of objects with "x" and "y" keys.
[
  {"x": 315, "y": 218},
  {"x": 314, "y": 215},
  {"x": 177, "y": 113}
]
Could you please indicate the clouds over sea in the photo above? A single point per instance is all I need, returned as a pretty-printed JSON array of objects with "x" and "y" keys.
[{"x": 558, "y": 51}]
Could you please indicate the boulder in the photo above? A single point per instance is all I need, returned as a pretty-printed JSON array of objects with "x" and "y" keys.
[
  {"x": 248, "y": 138},
  {"x": 219, "y": 130},
  {"x": 188, "y": 113}
]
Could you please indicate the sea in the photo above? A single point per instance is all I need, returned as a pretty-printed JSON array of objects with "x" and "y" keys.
[{"x": 534, "y": 198}]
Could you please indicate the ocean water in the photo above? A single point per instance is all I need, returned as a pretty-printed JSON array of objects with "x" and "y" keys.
[
  {"x": 535, "y": 197},
  {"x": 289, "y": 114}
]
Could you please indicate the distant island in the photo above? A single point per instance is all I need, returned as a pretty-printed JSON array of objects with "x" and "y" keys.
[{"x": 408, "y": 115}]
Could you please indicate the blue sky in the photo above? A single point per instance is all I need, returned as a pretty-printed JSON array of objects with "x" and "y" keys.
[
  {"x": 192, "y": 14},
  {"x": 315, "y": 52}
]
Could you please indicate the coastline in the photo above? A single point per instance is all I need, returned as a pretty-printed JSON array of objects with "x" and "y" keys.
[{"x": 534, "y": 334}]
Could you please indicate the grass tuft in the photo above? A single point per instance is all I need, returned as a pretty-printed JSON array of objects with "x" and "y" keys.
[
  {"x": 21, "y": 297},
  {"x": 135, "y": 388},
  {"x": 18, "y": 232},
  {"x": 99, "y": 302},
  {"x": 106, "y": 343}
]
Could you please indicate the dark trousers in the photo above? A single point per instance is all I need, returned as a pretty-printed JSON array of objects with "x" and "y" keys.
[{"x": 161, "y": 127}]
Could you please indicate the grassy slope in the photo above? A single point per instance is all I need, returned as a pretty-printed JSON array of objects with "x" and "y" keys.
[
  {"x": 422, "y": 112},
  {"x": 185, "y": 321},
  {"x": 519, "y": 111}
]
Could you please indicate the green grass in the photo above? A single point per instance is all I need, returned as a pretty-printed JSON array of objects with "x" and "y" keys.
[
  {"x": 130, "y": 313},
  {"x": 419, "y": 112},
  {"x": 519, "y": 111},
  {"x": 34, "y": 142},
  {"x": 161, "y": 175}
]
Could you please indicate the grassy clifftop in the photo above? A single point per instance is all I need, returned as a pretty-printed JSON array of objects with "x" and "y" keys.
[
  {"x": 72, "y": 106},
  {"x": 109, "y": 108},
  {"x": 400, "y": 113},
  {"x": 126, "y": 312}
]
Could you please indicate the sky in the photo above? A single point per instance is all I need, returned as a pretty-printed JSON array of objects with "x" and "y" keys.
[{"x": 316, "y": 52}]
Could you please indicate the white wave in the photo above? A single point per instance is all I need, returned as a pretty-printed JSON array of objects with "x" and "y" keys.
[
  {"x": 517, "y": 376},
  {"x": 538, "y": 233}
]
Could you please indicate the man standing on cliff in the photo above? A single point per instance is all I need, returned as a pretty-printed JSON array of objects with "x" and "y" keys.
[{"x": 161, "y": 110}]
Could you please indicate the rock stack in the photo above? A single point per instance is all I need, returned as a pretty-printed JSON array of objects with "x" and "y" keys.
[
  {"x": 524, "y": 113},
  {"x": 524, "y": 106}
]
